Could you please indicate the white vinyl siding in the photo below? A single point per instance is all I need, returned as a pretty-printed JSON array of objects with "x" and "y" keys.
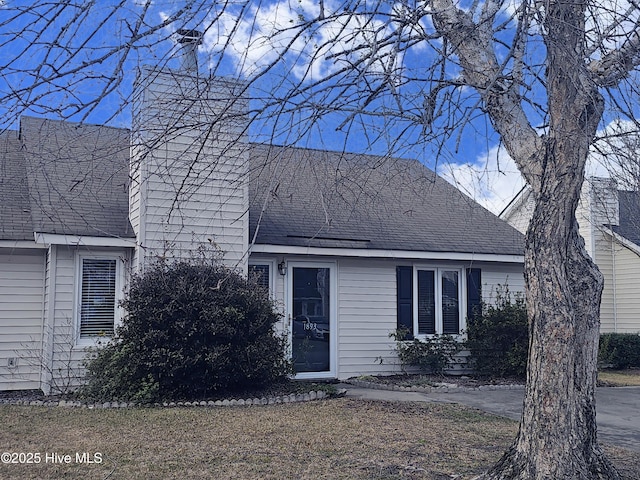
[
  {"x": 499, "y": 277},
  {"x": 366, "y": 317},
  {"x": 65, "y": 368},
  {"x": 190, "y": 168},
  {"x": 64, "y": 348},
  {"x": 21, "y": 302}
]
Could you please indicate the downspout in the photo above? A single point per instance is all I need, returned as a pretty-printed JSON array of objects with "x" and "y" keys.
[
  {"x": 43, "y": 314},
  {"x": 49, "y": 327},
  {"x": 614, "y": 285}
]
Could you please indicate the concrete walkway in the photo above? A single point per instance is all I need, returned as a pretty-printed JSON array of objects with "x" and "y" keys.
[{"x": 617, "y": 408}]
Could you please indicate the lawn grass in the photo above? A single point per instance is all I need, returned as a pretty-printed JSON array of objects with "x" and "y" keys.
[
  {"x": 333, "y": 439},
  {"x": 620, "y": 378}
]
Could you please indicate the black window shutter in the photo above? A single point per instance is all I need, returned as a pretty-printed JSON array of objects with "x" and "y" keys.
[
  {"x": 474, "y": 296},
  {"x": 404, "y": 280}
]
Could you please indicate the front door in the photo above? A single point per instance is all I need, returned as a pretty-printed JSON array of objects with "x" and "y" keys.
[{"x": 311, "y": 310}]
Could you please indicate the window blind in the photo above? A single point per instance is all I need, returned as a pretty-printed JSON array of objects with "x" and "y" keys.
[
  {"x": 426, "y": 302},
  {"x": 261, "y": 274},
  {"x": 98, "y": 297},
  {"x": 450, "y": 303}
]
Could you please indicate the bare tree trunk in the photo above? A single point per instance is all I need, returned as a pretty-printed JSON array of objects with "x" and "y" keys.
[{"x": 558, "y": 433}]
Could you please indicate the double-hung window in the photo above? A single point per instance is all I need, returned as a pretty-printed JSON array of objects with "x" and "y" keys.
[
  {"x": 436, "y": 300},
  {"x": 99, "y": 294}
]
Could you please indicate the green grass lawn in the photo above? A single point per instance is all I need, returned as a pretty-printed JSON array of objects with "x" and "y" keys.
[{"x": 333, "y": 439}]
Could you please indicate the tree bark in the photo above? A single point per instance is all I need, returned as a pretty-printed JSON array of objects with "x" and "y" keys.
[{"x": 558, "y": 433}]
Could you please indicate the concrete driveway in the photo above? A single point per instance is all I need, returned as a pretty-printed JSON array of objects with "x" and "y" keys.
[{"x": 617, "y": 408}]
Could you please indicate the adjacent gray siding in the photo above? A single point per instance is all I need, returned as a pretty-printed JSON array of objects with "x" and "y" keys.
[
  {"x": 21, "y": 302},
  {"x": 620, "y": 300}
]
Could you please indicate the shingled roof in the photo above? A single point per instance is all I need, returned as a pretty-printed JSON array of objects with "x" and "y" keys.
[
  {"x": 302, "y": 197},
  {"x": 67, "y": 178},
  {"x": 15, "y": 210},
  {"x": 629, "y": 216},
  {"x": 73, "y": 180}
]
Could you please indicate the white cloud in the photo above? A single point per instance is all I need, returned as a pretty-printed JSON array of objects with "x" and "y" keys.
[
  {"x": 492, "y": 181},
  {"x": 258, "y": 36}
]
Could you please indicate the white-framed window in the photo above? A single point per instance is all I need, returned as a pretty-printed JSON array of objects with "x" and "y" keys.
[
  {"x": 264, "y": 271},
  {"x": 438, "y": 301},
  {"x": 100, "y": 282}
]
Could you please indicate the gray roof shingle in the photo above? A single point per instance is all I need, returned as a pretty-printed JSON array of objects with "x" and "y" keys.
[
  {"x": 78, "y": 177},
  {"x": 67, "y": 178},
  {"x": 15, "y": 212},
  {"x": 629, "y": 219},
  {"x": 303, "y": 197}
]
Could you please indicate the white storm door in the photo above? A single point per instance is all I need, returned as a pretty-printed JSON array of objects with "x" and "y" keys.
[{"x": 312, "y": 319}]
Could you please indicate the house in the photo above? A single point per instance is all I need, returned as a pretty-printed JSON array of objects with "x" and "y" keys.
[
  {"x": 351, "y": 246},
  {"x": 609, "y": 220}
]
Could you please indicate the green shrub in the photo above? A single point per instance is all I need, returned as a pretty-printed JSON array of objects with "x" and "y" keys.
[
  {"x": 192, "y": 329},
  {"x": 498, "y": 337},
  {"x": 619, "y": 350},
  {"x": 431, "y": 355}
]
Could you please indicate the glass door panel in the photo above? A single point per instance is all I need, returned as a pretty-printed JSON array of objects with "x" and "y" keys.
[{"x": 311, "y": 319}]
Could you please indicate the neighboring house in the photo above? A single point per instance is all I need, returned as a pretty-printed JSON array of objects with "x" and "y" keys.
[
  {"x": 351, "y": 246},
  {"x": 609, "y": 221}
]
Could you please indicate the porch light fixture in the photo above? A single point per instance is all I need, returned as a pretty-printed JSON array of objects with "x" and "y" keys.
[{"x": 282, "y": 268}]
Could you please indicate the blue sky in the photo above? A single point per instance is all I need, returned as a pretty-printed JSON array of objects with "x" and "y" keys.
[{"x": 89, "y": 78}]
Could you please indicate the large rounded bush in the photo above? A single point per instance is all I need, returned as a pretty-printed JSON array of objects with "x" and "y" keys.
[{"x": 192, "y": 329}]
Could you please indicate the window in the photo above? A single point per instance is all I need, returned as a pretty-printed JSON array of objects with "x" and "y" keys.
[
  {"x": 261, "y": 274},
  {"x": 98, "y": 297},
  {"x": 436, "y": 300},
  {"x": 262, "y": 271}
]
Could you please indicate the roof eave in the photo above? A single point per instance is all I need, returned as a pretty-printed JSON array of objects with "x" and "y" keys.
[
  {"x": 392, "y": 254},
  {"x": 82, "y": 240},
  {"x": 635, "y": 248}
]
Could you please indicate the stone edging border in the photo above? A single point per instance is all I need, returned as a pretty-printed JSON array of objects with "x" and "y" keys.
[
  {"x": 449, "y": 388},
  {"x": 291, "y": 398}
]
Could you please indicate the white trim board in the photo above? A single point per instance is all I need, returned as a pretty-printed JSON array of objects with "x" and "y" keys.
[
  {"x": 623, "y": 240},
  {"x": 21, "y": 244},
  {"x": 81, "y": 240},
  {"x": 394, "y": 254}
]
